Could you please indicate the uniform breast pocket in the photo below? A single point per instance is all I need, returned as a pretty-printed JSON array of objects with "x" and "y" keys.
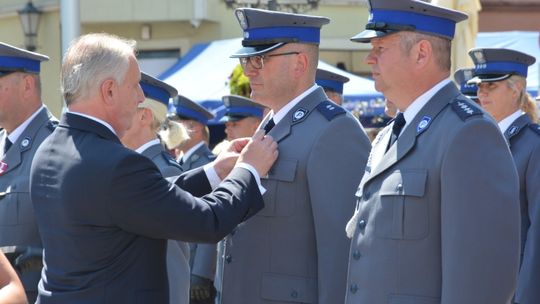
[
  {"x": 280, "y": 193},
  {"x": 15, "y": 205},
  {"x": 403, "y": 210}
]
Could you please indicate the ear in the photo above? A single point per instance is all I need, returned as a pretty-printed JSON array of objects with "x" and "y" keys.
[
  {"x": 146, "y": 116},
  {"x": 108, "y": 90},
  {"x": 423, "y": 53},
  {"x": 28, "y": 86},
  {"x": 301, "y": 64}
]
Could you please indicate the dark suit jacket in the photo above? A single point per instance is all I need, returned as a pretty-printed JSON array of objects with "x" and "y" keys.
[{"x": 105, "y": 213}]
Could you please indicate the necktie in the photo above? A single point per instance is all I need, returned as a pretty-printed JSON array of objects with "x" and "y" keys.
[
  {"x": 269, "y": 125},
  {"x": 399, "y": 122},
  {"x": 7, "y": 145}
]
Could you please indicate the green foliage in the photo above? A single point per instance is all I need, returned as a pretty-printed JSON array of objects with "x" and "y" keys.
[{"x": 239, "y": 83}]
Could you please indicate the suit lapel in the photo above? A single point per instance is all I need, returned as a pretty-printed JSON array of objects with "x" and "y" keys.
[{"x": 407, "y": 140}]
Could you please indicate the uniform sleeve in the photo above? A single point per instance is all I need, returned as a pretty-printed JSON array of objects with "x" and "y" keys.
[
  {"x": 147, "y": 204},
  {"x": 335, "y": 168},
  {"x": 529, "y": 276},
  {"x": 480, "y": 217}
]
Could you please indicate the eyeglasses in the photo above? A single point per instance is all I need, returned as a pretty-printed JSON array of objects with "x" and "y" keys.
[{"x": 257, "y": 62}]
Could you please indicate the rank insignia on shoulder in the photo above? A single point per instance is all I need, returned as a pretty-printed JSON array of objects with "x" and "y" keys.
[
  {"x": 535, "y": 128},
  {"x": 299, "y": 115},
  {"x": 330, "y": 110},
  {"x": 423, "y": 124},
  {"x": 465, "y": 109}
]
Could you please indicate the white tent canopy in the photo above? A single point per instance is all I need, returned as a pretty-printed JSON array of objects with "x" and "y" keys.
[{"x": 203, "y": 73}]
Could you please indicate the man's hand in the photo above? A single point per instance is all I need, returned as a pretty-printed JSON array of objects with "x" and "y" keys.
[
  {"x": 226, "y": 160},
  {"x": 261, "y": 152}
]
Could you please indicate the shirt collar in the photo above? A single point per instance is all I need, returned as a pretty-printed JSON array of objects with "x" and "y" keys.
[
  {"x": 189, "y": 152},
  {"x": 281, "y": 113},
  {"x": 414, "y": 108},
  {"x": 147, "y": 145},
  {"x": 506, "y": 122},
  {"x": 13, "y": 136},
  {"x": 94, "y": 119}
]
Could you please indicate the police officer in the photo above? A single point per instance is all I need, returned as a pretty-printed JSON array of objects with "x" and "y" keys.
[
  {"x": 437, "y": 218},
  {"x": 242, "y": 116},
  {"x": 332, "y": 83},
  {"x": 295, "y": 249},
  {"x": 462, "y": 76},
  {"x": 501, "y": 76},
  {"x": 26, "y": 124},
  {"x": 195, "y": 153},
  {"x": 142, "y": 137}
]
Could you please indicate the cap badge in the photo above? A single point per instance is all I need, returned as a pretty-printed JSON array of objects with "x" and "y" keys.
[
  {"x": 480, "y": 59},
  {"x": 423, "y": 124},
  {"x": 242, "y": 19}
]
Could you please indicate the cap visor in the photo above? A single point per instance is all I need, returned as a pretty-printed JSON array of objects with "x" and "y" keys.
[
  {"x": 488, "y": 78},
  {"x": 367, "y": 35},
  {"x": 249, "y": 51}
]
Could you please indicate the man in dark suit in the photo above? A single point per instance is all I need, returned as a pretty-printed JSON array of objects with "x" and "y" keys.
[
  {"x": 104, "y": 211},
  {"x": 294, "y": 250},
  {"x": 142, "y": 138},
  {"x": 26, "y": 124},
  {"x": 437, "y": 216}
]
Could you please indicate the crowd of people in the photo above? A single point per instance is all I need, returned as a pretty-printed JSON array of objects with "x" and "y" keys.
[{"x": 122, "y": 200}]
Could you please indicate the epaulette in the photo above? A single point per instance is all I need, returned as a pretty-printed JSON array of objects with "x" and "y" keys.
[
  {"x": 169, "y": 160},
  {"x": 535, "y": 128},
  {"x": 330, "y": 110},
  {"x": 464, "y": 109}
]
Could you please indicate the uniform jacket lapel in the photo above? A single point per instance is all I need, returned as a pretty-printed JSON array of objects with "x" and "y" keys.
[
  {"x": 407, "y": 139},
  {"x": 25, "y": 141},
  {"x": 296, "y": 115},
  {"x": 519, "y": 124}
]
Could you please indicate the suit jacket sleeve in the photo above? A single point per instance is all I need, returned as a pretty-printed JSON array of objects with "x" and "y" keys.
[
  {"x": 147, "y": 204},
  {"x": 335, "y": 168},
  {"x": 194, "y": 181},
  {"x": 480, "y": 217},
  {"x": 529, "y": 275}
]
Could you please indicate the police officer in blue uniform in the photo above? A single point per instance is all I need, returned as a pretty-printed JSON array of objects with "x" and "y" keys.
[
  {"x": 195, "y": 153},
  {"x": 332, "y": 83},
  {"x": 242, "y": 116},
  {"x": 142, "y": 137},
  {"x": 295, "y": 251},
  {"x": 462, "y": 77},
  {"x": 501, "y": 76},
  {"x": 437, "y": 216},
  {"x": 26, "y": 122}
]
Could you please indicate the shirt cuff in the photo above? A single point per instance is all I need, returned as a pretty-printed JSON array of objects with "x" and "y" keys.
[
  {"x": 251, "y": 169},
  {"x": 212, "y": 176},
  {"x": 214, "y": 179}
]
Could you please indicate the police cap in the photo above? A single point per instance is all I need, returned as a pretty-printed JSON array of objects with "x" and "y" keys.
[
  {"x": 268, "y": 30},
  {"x": 391, "y": 16}
]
